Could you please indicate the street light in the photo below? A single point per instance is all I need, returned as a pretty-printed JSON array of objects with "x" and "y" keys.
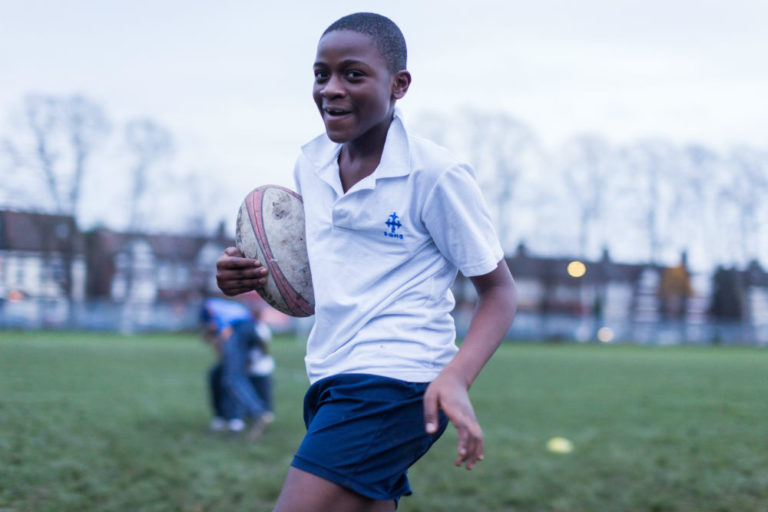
[
  {"x": 605, "y": 335},
  {"x": 576, "y": 269}
]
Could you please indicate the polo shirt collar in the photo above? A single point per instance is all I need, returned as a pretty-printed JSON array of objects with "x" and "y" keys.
[{"x": 395, "y": 158}]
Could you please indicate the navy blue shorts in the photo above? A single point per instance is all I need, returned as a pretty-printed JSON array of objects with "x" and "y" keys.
[{"x": 364, "y": 432}]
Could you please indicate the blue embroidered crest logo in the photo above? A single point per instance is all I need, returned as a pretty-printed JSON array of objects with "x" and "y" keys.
[{"x": 393, "y": 223}]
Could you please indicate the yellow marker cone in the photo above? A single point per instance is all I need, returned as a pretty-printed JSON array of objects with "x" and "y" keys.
[{"x": 559, "y": 445}]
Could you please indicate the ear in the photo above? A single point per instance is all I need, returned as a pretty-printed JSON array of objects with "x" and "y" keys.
[{"x": 400, "y": 83}]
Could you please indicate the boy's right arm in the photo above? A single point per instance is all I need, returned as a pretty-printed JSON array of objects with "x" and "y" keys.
[{"x": 236, "y": 274}]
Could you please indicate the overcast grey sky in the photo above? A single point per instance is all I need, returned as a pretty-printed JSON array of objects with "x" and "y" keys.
[{"x": 232, "y": 79}]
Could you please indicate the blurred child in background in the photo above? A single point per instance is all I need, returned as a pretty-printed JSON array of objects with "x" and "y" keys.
[{"x": 231, "y": 329}]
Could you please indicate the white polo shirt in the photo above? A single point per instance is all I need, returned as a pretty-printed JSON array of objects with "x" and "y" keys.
[{"x": 384, "y": 255}]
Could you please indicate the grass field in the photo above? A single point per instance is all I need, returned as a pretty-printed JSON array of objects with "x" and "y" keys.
[{"x": 100, "y": 422}]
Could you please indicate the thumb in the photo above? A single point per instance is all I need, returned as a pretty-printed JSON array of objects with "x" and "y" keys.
[
  {"x": 430, "y": 412},
  {"x": 233, "y": 251}
]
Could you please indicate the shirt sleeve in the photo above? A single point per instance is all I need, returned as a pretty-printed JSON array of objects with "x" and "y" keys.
[
  {"x": 457, "y": 218},
  {"x": 296, "y": 180}
]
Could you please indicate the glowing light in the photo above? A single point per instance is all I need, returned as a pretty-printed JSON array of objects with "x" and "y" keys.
[
  {"x": 605, "y": 334},
  {"x": 576, "y": 269},
  {"x": 559, "y": 445},
  {"x": 15, "y": 296}
]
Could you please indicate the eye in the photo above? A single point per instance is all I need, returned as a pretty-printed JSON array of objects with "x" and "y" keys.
[
  {"x": 321, "y": 75},
  {"x": 354, "y": 75}
]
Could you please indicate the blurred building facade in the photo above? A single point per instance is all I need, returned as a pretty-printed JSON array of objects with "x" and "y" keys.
[
  {"x": 150, "y": 268},
  {"x": 123, "y": 281},
  {"x": 52, "y": 275},
  {"x": 42, "y": 265},
  {"x": 567, "y": 299}
]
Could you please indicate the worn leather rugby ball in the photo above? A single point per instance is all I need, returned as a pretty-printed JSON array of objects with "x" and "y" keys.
[{"x": 270, "y": 228}]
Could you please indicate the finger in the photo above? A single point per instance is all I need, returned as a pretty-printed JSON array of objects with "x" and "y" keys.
[
  {"x": 241, "y": 271},
  {"x": 233, "y": 251},
  {"x": 430, "y": 412},
  {"x": 234, "y": 280},
  {"x": 470, "y": 441},
  {"x": 238, "y": 290},
  {"x": 471, "y": 456},
  {"x": 479, "y": 453},
  {"x": 237, "y": 263},
  {"x": 240, "y": 274},
  {"x": 228, "y": 292},
  {"x": 475, "y": 449},
  {"x": 243, "y": 285},
  {"x": 463, "y": 445},
  {"x": 242, "y": 288}
]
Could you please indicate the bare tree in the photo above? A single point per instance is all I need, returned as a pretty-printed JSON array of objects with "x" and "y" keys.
[
  {"x": 587, "y": 169},
  {"x": 148, "y": 142},
  {"x": 499, "y": 147},
  {"x": 9, "y": 157},
  {"x": 57, "y": 138},
  {"x": 699, "y": 222},
  {"x": 680, "y": 197},
  {"x": 502, "y": 148},
  {"x": 200, "y": 194},
  {"x": 651, "y": 165},
  {"x": 64, "y": 134},
  {"x": 747, "y": 191},
  {"x": 10, "y": 169}
]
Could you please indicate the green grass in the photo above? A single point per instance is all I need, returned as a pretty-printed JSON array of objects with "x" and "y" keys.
[{"x": 100, "y": 422}]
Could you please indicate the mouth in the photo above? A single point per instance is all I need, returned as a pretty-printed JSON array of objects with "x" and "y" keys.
[{"x": 335, "y": 111}]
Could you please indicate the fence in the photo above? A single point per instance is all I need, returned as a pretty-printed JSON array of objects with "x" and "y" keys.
[
  {"x": 98, "y": 315},
  {"x": 180, "y": 316}
]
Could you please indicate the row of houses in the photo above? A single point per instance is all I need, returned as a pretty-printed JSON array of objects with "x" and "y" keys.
[
  {"x": 563, "y": 298},
  {"x": 52, "y": 274},
  {"x": 51, "y": 268},
  {"x": 35, "y": 249}
]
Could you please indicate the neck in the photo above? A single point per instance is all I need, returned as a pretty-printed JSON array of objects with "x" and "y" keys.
[
  {"x": 368, "y": 146},
  {"x": 360, "y": 157}
]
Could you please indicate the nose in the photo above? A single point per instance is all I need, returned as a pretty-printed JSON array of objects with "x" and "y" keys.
[{"x": 333, "y": 88}]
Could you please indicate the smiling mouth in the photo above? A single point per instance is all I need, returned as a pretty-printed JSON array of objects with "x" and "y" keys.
[{"x": 335, "y": 112}]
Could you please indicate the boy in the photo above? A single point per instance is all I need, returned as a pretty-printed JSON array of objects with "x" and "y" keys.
[
  {"x": 389, "y": 220},
  {"x": 230, "y": 328}
]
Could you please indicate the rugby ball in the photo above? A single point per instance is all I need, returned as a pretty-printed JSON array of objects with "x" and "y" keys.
[{"x": 270, "y": 228}]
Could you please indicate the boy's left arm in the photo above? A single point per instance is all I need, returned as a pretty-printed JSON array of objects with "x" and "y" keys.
[{"x": 496, "y": 306}]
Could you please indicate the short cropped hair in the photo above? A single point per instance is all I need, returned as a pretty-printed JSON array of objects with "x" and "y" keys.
[{"x": 386, "y": 36}]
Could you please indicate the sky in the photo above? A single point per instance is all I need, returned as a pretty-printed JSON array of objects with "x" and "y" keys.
[{"x": 232, "y": 79}]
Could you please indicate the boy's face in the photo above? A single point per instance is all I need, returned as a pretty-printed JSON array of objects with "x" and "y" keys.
[{"x": 354, "y": 89}]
